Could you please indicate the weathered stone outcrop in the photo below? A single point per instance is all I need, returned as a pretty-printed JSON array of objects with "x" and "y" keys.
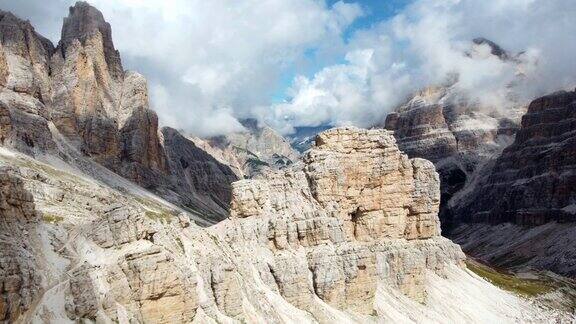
[
  {"x": 22, "y": 123},
  {"x": 20, "y": 273},
  {"x": 356, "y": 200},
  {"x": 94, "y": 98},
  {"x": 83, "y": 22},
  {"x": 456, "y": 131},
  {"x": 80, "y": 86},
  {"x": 308, "y": 234},
  {"x": 97, "y": 108},
  {"x": 24, "y": 86},
  {"x": 24, "y": 58}
]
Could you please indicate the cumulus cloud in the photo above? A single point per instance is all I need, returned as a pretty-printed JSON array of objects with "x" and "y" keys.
[
  {"x": 427, "y": 42},
  {"x": 209, "y": 62}
]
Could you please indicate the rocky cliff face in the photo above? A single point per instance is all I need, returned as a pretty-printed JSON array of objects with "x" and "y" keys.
[
  {"x": 97, "y": 103},
  {"x": 256, "y": 149},
  {"x": 101, "y": 110},
  {"x": 447, "y": 126},
  {"x": 531, "y": 183},
  {"x": 533, "y": 178},
  {"x": 304, "y": 244},
  {"x": 25, "y": 86},
  {"x": 459, "y": 135},
  {"x": 349, "y": 234}
]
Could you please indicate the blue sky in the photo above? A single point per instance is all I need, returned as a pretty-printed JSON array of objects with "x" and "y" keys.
[{"x": 375, "y": 11}]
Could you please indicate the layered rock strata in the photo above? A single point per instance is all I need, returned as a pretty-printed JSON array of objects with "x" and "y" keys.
[
  {"x": 351, "y": 234},
  {"x": 97, "y": 103},
  {"x": 530, "y": 186},
  {"x": 25, "y": 86},
  {"x": 20, "y": 272},
  {"x": 458, "y": 135},
  {"x": 532, "y": 182},
  {"x": 199, "y": 179},
  {"x": 456, "y": 131}
]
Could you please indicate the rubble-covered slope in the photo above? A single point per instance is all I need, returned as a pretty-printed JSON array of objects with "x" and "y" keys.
[{"x": 351, "y": 234}]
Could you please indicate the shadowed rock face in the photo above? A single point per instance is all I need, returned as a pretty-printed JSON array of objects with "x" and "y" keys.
[
  {"x": 533, "y": 181},
  {"x": 200, "y": 180},
  {"x": 24, "y": 86},
  {"x": 521, "y": 214},
  {"x": 24, "y": 58}
]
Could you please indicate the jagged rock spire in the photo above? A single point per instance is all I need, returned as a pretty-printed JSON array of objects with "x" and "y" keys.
[{"x": 83, "y": 22}]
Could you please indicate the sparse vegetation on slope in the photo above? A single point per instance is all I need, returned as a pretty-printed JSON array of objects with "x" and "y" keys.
[{"x": 509, "y": 282}]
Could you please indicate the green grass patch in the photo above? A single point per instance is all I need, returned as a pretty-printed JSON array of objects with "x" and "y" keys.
[
  {"x": 180, "y": 244},
  {"x": 52, "y": 219},
  {"x": 509, "y": 282},
  {"x": 160, "y": 217},
  {"x": 256, "y": 162}
]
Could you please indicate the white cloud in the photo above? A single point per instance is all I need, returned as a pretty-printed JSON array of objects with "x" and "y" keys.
[
  {"x": 208, "y": 56},
  {"x": 203, "y": 57},
  {"x": 210, "y": 62},
  {"x": 424, "y": 44}
]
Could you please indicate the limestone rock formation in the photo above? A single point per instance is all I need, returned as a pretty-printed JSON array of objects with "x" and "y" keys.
[
  {"x": 459, "y": 135},
  {"x": 303, "y": 244},
  {"x": 533, "y": 178},
  {"x": 348, "y": 234},
  {"x": 97, "y": 103},
  {"x": 81, "y": 25},
  {"x": 96, "y": 107},
  {"x": 257, "y": 148},
  {"x": 24, "y": 86},
  {"x": 532, "y": 182},
  {"x": 24, "y": 58}
]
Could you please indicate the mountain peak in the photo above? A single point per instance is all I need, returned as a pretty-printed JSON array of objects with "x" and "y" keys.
[
  {"x": 495, "y": 49},
  {"x": 82, "y": 23},
  {"x": 13, "y": 30}
]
